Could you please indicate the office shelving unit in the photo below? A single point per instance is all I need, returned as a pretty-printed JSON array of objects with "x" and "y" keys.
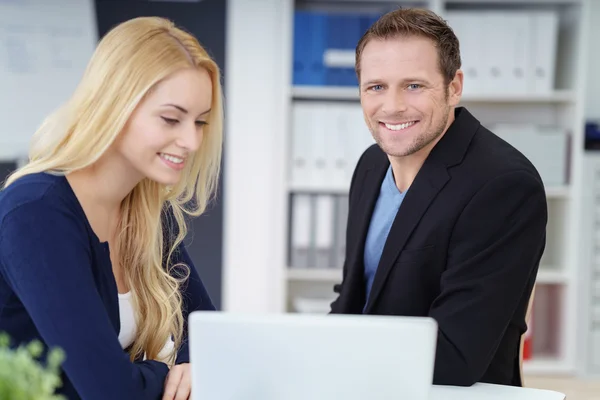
[
  {"x": 589, "y": 351},
  {"x": 257, "y": 274}
]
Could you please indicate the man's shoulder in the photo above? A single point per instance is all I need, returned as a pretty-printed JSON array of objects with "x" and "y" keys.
[
  {"x": 488, "y": 145},
  {"x": 489, "y": 156}
]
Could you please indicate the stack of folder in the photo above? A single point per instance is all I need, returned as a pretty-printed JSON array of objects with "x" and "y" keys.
[
  {"x": 324, "y": 45},
  {"x": 507, "y": 52},
  {"x": 328, "y": 138},
  {"x": 503, "y": 52},
  {"x": 318, "y": 229}
]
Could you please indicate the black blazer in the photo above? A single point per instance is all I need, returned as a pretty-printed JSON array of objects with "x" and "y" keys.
[{"x": 464, "y": 249}]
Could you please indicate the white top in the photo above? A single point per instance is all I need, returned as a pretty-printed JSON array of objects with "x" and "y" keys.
[
  {"x": 128, "y": 323},
  {"x": 129, "y": 326}
]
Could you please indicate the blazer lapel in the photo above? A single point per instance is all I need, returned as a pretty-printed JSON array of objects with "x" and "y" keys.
[
  {"x": 369, "y": 186},
  {"x": 366, "y": 204},
  {"x": 430, "y": 180}
]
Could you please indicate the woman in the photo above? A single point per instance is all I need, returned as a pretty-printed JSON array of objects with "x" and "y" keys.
[{"x": 91, "y": 229}]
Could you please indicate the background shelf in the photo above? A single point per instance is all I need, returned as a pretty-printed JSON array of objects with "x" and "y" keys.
[
  {"x": 352, "y": 94},
  {"x": 334, "y": 275},
  {"x": 265, "y": 215}
]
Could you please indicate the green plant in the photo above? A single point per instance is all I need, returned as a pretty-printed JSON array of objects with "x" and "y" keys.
[{"x": 23, "y": 377}]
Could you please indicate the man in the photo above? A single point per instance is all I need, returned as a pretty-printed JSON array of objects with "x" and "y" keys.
[{"x": 445, "y": 219}]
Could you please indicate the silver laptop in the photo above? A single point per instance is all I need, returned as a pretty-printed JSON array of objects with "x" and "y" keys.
[{"x": 301, "y": 357}]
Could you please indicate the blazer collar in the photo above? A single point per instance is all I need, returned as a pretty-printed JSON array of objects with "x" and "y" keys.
[{"x": 452, "y": 147}]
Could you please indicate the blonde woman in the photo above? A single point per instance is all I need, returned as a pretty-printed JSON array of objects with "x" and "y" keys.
[{"x": 91, "y": 229}]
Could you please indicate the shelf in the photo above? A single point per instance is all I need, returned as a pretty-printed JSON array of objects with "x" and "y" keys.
[
  {"x": 307, "y": 305},
  {"x": 325, "y": 93},
  {"x": 546, "y": 366},
  {"x": 558, "y": 192},
  {"x": 351, "y": 93},
  {"x": 339, "y": 191},
  {"x": 559, "y": 96},
  {"x": 553, "y": 192},
  {"x": 420, "y": 3},
  {"x": 315, "y": 274},
  {"x": 514, "y": 2},
  {"x": 545, "y": 276}
]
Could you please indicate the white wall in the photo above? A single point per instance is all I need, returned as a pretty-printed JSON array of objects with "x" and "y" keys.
[
  {"x": 44, "y": 49},
  {"x": 257, "y": 85}
]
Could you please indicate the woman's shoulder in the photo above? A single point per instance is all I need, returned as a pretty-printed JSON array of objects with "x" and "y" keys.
[{"x": 38, "y": 191}]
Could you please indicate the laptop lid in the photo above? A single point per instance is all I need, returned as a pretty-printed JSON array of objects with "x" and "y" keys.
[{"x": 300, "y": 357}]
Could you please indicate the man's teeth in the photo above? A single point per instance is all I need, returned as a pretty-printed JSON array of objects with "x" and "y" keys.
[
  {"x": 401, "y": 126},
  {"x": 173, "y": 159}
]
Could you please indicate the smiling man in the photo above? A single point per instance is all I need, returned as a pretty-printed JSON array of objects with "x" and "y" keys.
[{"x": 445, "y": 219}]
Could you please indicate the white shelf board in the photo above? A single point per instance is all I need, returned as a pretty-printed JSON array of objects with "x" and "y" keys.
[
  {"x": 546, "y": 366},
  {"x": 351, "y": 93},
  {"x": 545, "y": 275},
  {"x": 558, "y": 191},
  {"x": 552, "y": 276},
  {"x": 558, "y": 96},
  {"x": 420, "y": 3},
  {"x": 518, "y": 2},
  {"x": 319, "y": 190},
  {"x": 552, "y": 192},
  {"x": 325, "y": 92},
  {"x": 315, "y": 274}
]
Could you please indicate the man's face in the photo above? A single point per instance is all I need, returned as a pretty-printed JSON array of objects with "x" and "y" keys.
[{"x": 405, "y": 101}]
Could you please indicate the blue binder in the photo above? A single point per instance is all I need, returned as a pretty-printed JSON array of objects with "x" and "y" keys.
[
  {"x": 334, "y": 41},
  {"x": 352, "y": 33},
  {"x": 301, "y": 51},
  {"x": 314, "y": 33},
  {"x": 318, "y": 31}
]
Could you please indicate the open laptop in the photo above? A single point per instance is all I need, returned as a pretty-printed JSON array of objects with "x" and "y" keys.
[{"x": 302, "y": 357}]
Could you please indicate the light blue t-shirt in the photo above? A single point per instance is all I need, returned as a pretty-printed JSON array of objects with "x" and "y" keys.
[{"x": 384, "y": 213}]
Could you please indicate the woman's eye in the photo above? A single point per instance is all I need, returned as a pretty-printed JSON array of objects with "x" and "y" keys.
[
  {"x": 201, "y": 123},
  {"x": 170, "y": 121}
]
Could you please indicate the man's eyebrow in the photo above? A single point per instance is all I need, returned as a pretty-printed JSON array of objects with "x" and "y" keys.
[{"x": 372, "y": 82}]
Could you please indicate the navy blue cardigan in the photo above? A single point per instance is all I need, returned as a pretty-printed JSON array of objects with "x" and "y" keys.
[{"x": 57, "y": 286}]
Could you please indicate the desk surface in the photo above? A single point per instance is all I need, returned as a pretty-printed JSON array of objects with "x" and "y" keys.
[{"x": 484, "y": 391}]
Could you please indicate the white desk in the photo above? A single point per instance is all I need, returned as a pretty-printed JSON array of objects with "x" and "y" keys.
[{"x": 484, "y": 391}]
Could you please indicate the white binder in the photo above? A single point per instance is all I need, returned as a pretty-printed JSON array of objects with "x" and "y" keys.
[
  {"x": 324, "y": 231},
  {"x": 300, "y": 146},
  {"x": 543, "y": 48},
  {"x": 338, "y": 145},
  {"x": 300, "y": 246},
  {"x": 468, "y": 29}
]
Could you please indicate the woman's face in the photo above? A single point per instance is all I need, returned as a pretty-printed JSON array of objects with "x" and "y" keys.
[{"x": 167, "y": 127}]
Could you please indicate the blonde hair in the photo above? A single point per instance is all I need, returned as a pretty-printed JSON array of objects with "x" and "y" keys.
[{"x": 129, "y": 61}]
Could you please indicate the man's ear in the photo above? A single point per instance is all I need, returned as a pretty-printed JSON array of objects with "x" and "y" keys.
[{"x": 455, "y": 88}]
